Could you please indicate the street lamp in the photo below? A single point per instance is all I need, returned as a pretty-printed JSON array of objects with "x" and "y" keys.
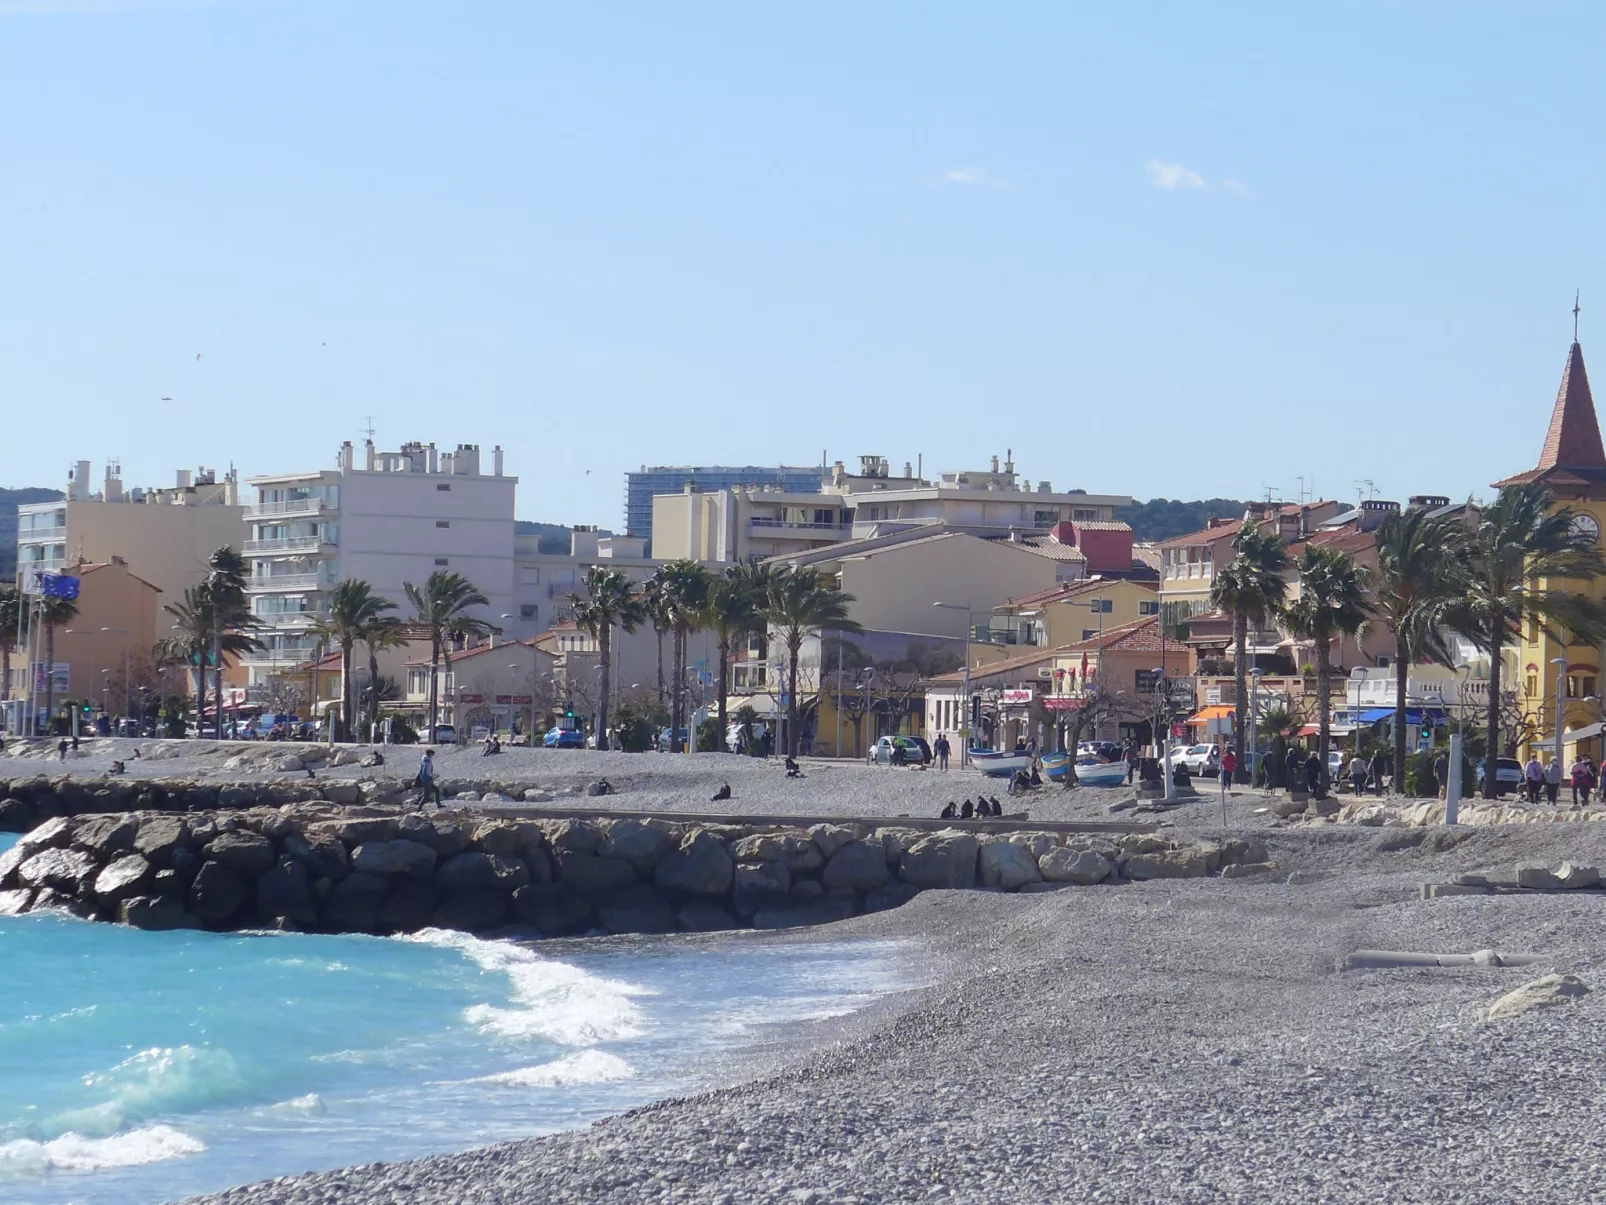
[
  {"x": 1561, "y": 682},
  {"x": 964, "y": 732},
  {"x": 1255, "y": 675}
]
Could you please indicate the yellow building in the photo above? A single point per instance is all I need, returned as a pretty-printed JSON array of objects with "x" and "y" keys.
[
  {"x": 1072, "y": 611},
  {"x": 1572, "y": 465}
]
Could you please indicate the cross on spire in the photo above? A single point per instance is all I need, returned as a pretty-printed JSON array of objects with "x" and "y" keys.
[{"x": 1575, "y": 315}]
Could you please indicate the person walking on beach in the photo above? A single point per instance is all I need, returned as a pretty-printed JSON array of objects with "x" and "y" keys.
[
  {"x": 1229, "y": 763},
  {"x": 1357, "y": 775},
  {"x": 1533, "y": 777},
  {"x": 1578, "y": 773},
  {"x": 1441, "y": 774},
  {"x": 942, "y": 750},
  {"x": 1292, "y": 766},
  {"x": 1552, "y": 780},
  {"x": 426, "y": 780},
  {"x": 1313, "y": 772},
  {"x": 1380, "y": 765}
]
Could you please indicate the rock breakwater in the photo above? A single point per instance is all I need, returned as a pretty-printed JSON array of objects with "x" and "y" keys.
[{"x": 320, "y": 866}]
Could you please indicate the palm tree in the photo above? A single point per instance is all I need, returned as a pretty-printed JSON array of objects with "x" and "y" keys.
[
  {"x": 1417, "y": 579},
  {"x": 380, "y": 635},
  {"x": 354, "y": 609},
  {"x": 609, "y": 602},
  {"x": 10, "y": 620},
  {"x": 230, "y": 613},
  {"x": 441, "y": 606},
  {"x": 1331, "y": 605},
  {"x": 684, "y": 586},
  {"x": 733, "y": 612},
  {"x": 1250, "y": 588},
  {"x": 657, "y": 613},
  {"x": 199, "y": 636},
  {"x": 801, "y": 604},
  {"x": 53, "y": 611},
  {"x": 1522, "y": 548}
]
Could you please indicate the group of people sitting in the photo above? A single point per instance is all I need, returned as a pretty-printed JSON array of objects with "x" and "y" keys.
[
  {"x": 492, "y": 744},
  {"x": 982, "y": 809}
]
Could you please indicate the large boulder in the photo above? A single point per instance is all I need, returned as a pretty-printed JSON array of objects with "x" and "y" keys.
[
  {"x": 55, "y": 833},
  {"x": 856, "y": 866},
  {"x": 540, "y": 864},
  {"x": 701, "y": 866},
  {"x": 945, "y": 859},
  {"x": 323, "y": 853},
  {"x": 1193, "y": 861},
  {"x": 409, "y": 859},
  {"x": 356, "y": 830},
  {"x": 409, "y": 907},
  {"x": 796, "y": 915},
  {"x": 285, "y": 891},
  {"x": 157, "y": 913},
  {"x": 500, "y": 839},
  {"x": 553, "y": 908},
  {"x": 129, "y": 875},
  {"x": 704, "y": 916},
  {"x": 828, "y": 838},
  {"x": 757, "y": 885},
  {"x": 354, "y": 902},
  {"x": 641, "y": 844},
  {"x": 17, "y": 815},
  {"x": 473, "y": 911},
  {"x": 1062, "y": 865},
  {"x": 469, "y": 872},
  {"x": 444, "y": 837},
  {"x": 595, "y": 878},
  {"x": 1550, "y": 991},
  {"x": 246, "y": 854},
  {"x": 638, "y": 909},
  {"x": 216, "y": 894},
  {"x": 106, "y": 835},
  {"x": 573, "y": 836},
  {"x": 61, "y": 869},
  {"x": 15, "y": 903},
  {"x": 158, "y": 837},
  {"x": 895, "y": 841},
  {"x": 797, "y": 853},
  {"x": 1006, "y": 865}
]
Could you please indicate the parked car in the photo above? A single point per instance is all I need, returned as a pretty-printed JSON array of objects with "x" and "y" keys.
[
  {"x": 1507, "y": 775},
  {"x": 733, "y": 733},
  {"x": 915, "y": 751},
  {"x": 1193, "y": 758},
  {"x": 666, "y": 745},
  {"x": 445, "y": 734},
  {"x": 563, "y": 738},
  {"x": 478, "y": 733}
]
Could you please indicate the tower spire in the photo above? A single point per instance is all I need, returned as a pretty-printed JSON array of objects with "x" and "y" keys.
[
  {"x": 1576, "y": 294},
  {"x": 1573, "y": 441}
]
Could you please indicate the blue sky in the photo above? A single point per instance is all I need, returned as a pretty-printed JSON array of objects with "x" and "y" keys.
[{"x": 1158, "y": 249}]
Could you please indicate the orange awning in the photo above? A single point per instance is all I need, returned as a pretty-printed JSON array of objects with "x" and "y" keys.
[{"x": 1211, "y": 713}]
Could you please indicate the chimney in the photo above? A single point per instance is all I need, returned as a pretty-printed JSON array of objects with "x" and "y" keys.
[
  {"x": 183, "y": 477},
  {"x": 995, "y": 464},
  {"x": 433, "y": 462},
  {"x": 113, "y": 491},
  {"x": 496, "y": 461},
  {"x": 78, "y": 482},
  {"x": 368, "y": 455},
  {"x": 908, "y": 469}
]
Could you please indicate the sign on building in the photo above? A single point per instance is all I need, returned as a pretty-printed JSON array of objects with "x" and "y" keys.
[
  {"x": 1016, "y": 694},
  {"x": 60, "y": 673}
]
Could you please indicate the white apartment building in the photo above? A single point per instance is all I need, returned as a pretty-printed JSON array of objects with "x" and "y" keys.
[
  {"x": 393, "y": 518},
  {"x": 164, "y": 535}
]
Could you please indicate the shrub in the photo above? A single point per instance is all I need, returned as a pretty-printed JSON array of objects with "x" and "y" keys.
[{"x": 710, "y": 738}]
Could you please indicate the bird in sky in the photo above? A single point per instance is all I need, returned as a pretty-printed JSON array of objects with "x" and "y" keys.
[
  {"x": 167, "y": 399},
  {"x": 197, "y": 355}
]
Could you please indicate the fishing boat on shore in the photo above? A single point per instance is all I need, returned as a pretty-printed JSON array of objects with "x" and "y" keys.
[
  {"x": 1090, "y": 771},
  {"x": 999, "y": 764}
]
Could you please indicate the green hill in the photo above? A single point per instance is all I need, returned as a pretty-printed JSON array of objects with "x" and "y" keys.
[
  {"x": 9, "y": 501},
  {"x": 554, "y": 536},
  {"x": 1161, "y": 518}
]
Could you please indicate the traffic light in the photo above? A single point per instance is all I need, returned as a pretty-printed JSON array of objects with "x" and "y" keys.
[{"x": 86, "y": 706}]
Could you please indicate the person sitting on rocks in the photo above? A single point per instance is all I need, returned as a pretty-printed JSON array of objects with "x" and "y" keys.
[
  {"x": 1037, "y": 779},
  {"x": 722, "y": 794},
  {"x": 997, "y": 808},
  {"x": 793, "y": 770},
  {"x": 966, "y": 810},
  {"x": 136, "y": 752},
  {"x": 604, "y": 787},
  {"x": 947, "y": 812},
  {"x": 117, "y": 767}
]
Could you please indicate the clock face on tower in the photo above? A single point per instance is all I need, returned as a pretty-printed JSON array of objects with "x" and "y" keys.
[{"x": 1584, "y": 526}]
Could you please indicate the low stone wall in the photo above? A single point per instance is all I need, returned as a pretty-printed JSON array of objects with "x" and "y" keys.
[
  {"x": 1402, "y": 813},
  {"x": 322, "y": 867}
]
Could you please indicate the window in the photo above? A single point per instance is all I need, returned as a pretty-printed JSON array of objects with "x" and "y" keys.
[
  {"x": 1145, "y": 681},
  {"x": 443, "y": 522},
  {"x": 440, "y": 560},
  {"x": 444, "y": 487},
  {"x": 529, "y": 576},
  {"x": 1580, "y": 686},
  {"x": 1084, "y": 516},
  {"x": 1045, "y": 518},
  {"x": 1102, "y": 606},
  {"x": 1531, "y": 685},
  {"x": 1149, "y": 608},
  {"x": 1089, "y": 633},
  {"x": 529, "y": 611}
]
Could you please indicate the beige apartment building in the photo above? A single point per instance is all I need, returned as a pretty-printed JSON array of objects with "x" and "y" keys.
[
  {"x": 739, "y": 524},
  {"x": 164, "y": 535}
]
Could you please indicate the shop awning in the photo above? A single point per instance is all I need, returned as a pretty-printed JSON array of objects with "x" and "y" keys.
[
  {"x": 1216, "y": 712},
  {"x": 1332, "y": 730},
  {"x": 1413, "y": 715},
  {"x": 1571, "y": 736}
]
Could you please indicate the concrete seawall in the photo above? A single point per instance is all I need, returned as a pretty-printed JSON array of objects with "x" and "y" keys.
[{"x": 326, "y": 867}]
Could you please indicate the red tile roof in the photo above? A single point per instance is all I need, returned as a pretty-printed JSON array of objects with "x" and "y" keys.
[
  {"x": 1140, "y": 636},
  {"x": 1572, "y": 455},
  {"x": 1076, "y": 589},
  {"x": 1207, "y": 536}
]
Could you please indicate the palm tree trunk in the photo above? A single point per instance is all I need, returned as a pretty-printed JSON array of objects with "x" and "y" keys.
[
  {"x": 724, "y": 669},
  {"x": 1240, "y": 669},
  {"x": 1492, "y": 753},
  {"x": 792, "y": 650},
  {"x": 347, "y": 696},
  {"x": 605, "y": 661},
  {"x": 373, "y": 688},
  {"x": 200, "y": 684},
  {"x": 1324, "y": 702},
  {"x": 434, "y": 685},
  {"x": 659, "y": 632},
  {"x": 1402, "y": 666},
  {"x": 50, "y": 677},
  {"x": 677, "y": 700}
]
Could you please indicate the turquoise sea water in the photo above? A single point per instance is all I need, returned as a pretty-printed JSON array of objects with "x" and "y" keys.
[{"x": 145, "y": 1067}]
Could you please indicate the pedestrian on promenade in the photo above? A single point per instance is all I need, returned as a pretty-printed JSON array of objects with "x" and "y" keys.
[
  {"x": 1552, "y": 780},
  {"x": 61, "y": 749},
  {"x": 1578, "y": 773},
  {"x": 1441, "y": 774},
  {"x": 1229, "y": 763},
  {"x": 1292, "y": 767},
  {"x": 1533, "y": 777},
  {"x": 426, "y": 780},
  {"x": 942, "y": 750},
  {"x": 1380, "y": 765},
  {"x": 1357, "y": 775},
  {"x": 1313, "y": 772}
]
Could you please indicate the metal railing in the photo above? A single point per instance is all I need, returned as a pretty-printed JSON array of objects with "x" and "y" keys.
[
  {"x": 28, "y": 534},
  {"x": 287, "y": 544},
  {"x": 296, "y": 506},
  {"x": 770, "y": 524},
  {"x": 285, "y": 619},
  {"x": 291, "y": 581}
]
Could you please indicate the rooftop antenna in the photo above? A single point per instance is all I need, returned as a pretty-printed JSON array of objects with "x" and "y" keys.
[
  {"x": 1370, "y": 491},
  {"x": 1301, "y": 480},
  {"x": 1576, "y": 295},
  {"x": 369, "y": 429}
]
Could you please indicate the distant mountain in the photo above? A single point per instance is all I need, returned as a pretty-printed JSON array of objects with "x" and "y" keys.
[
  {"x": 554, "y": 536},
  {"x": 1161, "y": 518},
  {"x": 9, "y": 501}
]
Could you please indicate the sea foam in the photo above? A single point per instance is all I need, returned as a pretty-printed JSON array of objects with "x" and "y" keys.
[
  {"x": 581, "y": 1067},
  {"x": 555, "y": 1001},
  {"x": 75, "y": 1153}
]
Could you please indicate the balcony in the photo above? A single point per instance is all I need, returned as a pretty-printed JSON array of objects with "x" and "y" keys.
[
  {"x": 288, "y": 544},
  {"x": 298, "y": 506},
  {"x": 769, "y": 526},
  {"x": 982, "y": 634},
  {"x": 31, "y": 535},
  {"x": 290, "y": 619},
  {"x": 291, "y": 581}
]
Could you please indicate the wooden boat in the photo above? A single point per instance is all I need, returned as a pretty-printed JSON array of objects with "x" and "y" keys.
[
  {"x": 1090, "y": 772},
  {"x": 995, "y": 764},
  {"x": 1054, "y": 766}
]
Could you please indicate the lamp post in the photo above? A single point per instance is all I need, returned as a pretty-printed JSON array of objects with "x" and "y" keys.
[
  {"x": 964, "y": 732},
  {"x": 1255, "y": 675},
  {"x": 1561, "y": 684}
]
